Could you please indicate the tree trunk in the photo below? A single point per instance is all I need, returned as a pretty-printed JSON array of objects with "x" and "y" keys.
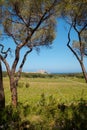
[
  {"x": 13, "y": 88},
  {"x": 2, "y": 95},
  {"x": 84, "y": 71}
]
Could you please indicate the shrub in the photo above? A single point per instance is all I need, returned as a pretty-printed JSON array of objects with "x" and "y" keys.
[
  {"x": 27, "y": 85},
  {"x": 47, "y": 114},
  {"x": 9, "y": 118}
]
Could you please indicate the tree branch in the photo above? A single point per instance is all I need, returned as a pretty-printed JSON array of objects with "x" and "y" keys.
[
  {"x": 42, "y": 19},
  {"x": 68, "y": 44},
  {"x": 83, "y": 28},
  {"x": 22, "y": 64},
  {"x": 11, "y": 35},
  {"x": 6, "y": 64},
  {"x": 79, "y": 36},
  {"x": 4, "y": 52},
  {"x": 19, "y": 46},
  {"x": 24, "y": 58},
  {"x": 17, "y": 51}
]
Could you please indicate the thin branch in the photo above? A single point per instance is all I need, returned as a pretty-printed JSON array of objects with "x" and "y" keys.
[
  {"x": 15, "y": 22},
  {"x": 79, "y": 36},
  {"x": 18, "y": 13},
  {"x": 6, "y": 64},
  {"x": 24, "y": 58},
  {"x": 68, "y": 44},
  {"x": 4, "y": 52},
  {"x": 17, "y": 51},
  {"x": 11, "y": 35},
  {"x": 83, "y": 28},
  {"x": 32, "y": 32},
  {"x": 22, "y": 64},
  {"x": 42, "y": 19}
]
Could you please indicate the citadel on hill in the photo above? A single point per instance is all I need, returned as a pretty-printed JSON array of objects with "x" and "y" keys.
[{"x": 40, "y": 72}]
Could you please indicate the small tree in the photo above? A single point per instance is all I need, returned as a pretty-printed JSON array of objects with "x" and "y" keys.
[
  {"x": 30, "y": 24},
  {"x": 79, "y": 49},
  {"x": 75, "y": 13}
]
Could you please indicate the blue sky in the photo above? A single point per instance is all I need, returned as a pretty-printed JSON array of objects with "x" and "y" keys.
[{"x": 58, "y": 59}]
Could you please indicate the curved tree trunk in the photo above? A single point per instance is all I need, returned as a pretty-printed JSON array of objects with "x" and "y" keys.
[
  {"x": 2, "y": 95},
  {"x": 74, "y": 52},
  {"x": 84, "y": 71}
]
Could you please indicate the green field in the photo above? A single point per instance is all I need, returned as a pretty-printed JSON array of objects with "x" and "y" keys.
[
  {"x": 56, "y": 103},
  {"x": 64, "y": 89}
]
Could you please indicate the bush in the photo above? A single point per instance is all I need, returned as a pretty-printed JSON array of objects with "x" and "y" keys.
[
  {"x": 27, "y": 85},
  {"x": 47, "y": 114},
  {"x": 9, "y": 118}
]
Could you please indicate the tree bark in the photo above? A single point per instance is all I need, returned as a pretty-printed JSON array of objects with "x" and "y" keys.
[
  {"x": 2, "y": 95},
  {"x": 13, "y": 87},
  {"x": 84, "y": 71}
]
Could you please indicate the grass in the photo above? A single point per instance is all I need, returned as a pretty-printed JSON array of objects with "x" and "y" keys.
[
  {"x": 64, "y": 89},
  {"x": 47, "y": 103}
]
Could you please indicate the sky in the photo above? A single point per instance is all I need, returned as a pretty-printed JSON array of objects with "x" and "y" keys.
[{"x": 57, "y": 59}]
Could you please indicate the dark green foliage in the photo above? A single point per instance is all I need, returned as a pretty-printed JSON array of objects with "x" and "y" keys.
[
  {"x": 26, "y": 125},
  {"x": 9, "y": 118},
  {"x": 39, "y": 75},
  {"x": 47, "y": 114},
  {"x": 74, "y": 116},
  {"x": 27, "y": 85},
  {"x": 26, "y": 110}
]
